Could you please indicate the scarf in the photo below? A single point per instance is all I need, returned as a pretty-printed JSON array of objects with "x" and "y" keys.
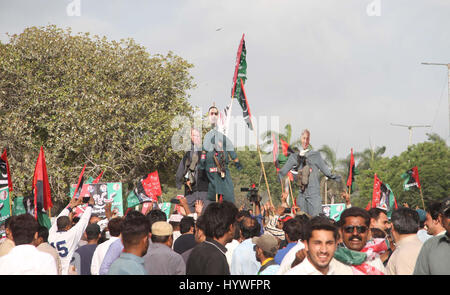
[{"x": 357, "y": 259}]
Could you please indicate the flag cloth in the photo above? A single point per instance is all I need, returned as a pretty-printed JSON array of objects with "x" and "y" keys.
[
  {"x": 41, "y": 186},
  {"x": 411, "y": 178},
  {"x": 239, "y": 78},
  {"x": 383, "y": 197},
  {"x": 147, "y": 190},
  {"x": 98, "y": 178},
  {"x": 224, "y": 119},
  {"x": 5, "y": 174},
  {"x": 275, "y": 152},
  {"x": 352, "y": 171},
  {"x": 79, "y": 186}
]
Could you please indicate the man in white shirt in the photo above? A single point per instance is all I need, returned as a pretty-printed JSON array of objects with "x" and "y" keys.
[
  {"x": 320, "y": 245},
  {"x": 65, "y": 238},
  {"x": 114, "y": 231},
  {"x": 25, "y": 258}
]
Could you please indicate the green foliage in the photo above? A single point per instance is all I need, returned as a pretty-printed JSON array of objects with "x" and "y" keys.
[
  {"x": 433, "y": 162},
  {"x": 88, "y": 100}
]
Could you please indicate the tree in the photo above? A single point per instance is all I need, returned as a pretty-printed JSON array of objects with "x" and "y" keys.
[
  {"x": 433, "y": 162},
  {"x": 368, "y": 157},
  {"x": 286, "y": 136},
  {"x": 88, "y": 100}
]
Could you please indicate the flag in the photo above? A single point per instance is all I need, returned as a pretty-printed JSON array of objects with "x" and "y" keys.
[
  {"x": 352, "y": 171},
  {"x": 98, "y": 178},
  {"x": 239, "y": 78},
  {"x": 411, "y": 178},
  {"x": 383, "y": 197},
  {"x": 242, "y": 99},
  {"x": 79, "y": 186},
  {"x": 224, "y": 119},
  {"x": 280, "y": 159},
  {"x": 275, "y": 152},
  {"x": 41, "y": 186},
  {"x": 147, "y": 190},
  {"x": 5, "y": 175}
]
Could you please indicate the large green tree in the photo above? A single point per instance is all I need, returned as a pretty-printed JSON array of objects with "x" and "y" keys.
[{"x": 88, "y": 100}]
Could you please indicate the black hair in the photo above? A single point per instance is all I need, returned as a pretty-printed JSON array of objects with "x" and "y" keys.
[
  {"x": 218, "y": 217},
  {"x": 320, "y": 223},
  {"x": 114, "y": 226},
  {"x": 375, "y": 213},
  {"x": 354, "y": 212},
  {"x": 92, "y": 231},
  {"x": 294, "y": 229},
  {"x": 405, "y": 220},
  {"x": 433, "y": 209},
  {"x": 186, "y": 223},
  {"x": 250, "y": 227},
  {"x": 62, "y": 222},
  {"x": 23, "y": 227},
  {"x": 43, "y": 233},
  {"x": 159, "y": 239},
  {"x": 134, "y": 227},
  {"x": 377, "y": 233},
  {"x": 154, "y": 216}
]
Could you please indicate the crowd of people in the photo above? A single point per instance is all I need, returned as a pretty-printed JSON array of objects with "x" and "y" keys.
[
  {"x": 208, "y": 235},
  {"x": 220, "y": 239}
]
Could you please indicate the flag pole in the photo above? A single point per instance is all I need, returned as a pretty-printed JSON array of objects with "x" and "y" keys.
[
  {"x": 257, "y": 145},
  {"x": 421, "y": 196},
  {"x": 290, "y": 188}
]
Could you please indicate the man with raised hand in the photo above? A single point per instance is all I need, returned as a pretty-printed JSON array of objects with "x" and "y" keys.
[{"x": 64, "y": 237}]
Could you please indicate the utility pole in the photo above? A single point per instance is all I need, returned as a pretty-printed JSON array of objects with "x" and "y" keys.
[
  {"x": 448, "y": 73},
  {"x": 410, "y": 127}
]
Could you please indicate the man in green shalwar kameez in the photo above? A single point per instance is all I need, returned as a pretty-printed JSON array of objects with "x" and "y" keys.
[{"x": 216, "y": 153}]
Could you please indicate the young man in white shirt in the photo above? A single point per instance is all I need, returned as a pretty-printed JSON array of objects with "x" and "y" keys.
[
  {"x": 65, "y": 238},
  {"x": 25, "y": 258},
  {"x": 320, "y": 244}
]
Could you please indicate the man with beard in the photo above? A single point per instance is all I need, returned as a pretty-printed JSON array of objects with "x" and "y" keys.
[
  {"x": 308, "y": 163},
  {"x": 359, "y": 253},
  {"x": 134, "y": 235}
]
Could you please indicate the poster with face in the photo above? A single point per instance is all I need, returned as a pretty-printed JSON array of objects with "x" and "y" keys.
[
  {"x": 102, "y": 193},
  {"x": 333, "y": 211},
  {"x": 4, "y": 204}
]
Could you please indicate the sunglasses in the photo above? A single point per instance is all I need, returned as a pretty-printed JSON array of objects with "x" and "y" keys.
[
  {"x": 214, "y": 113},
  {"x": 360, "y": 229}
]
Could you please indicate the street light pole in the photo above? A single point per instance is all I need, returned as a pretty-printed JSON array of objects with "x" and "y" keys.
[
  {"x": 448, "y": 73},
  {"x": 410, "y": 127}
]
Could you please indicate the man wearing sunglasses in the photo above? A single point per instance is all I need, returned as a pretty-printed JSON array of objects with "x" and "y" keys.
[
  {"x": 362, "y": 255},
  {"x": 216, "y": 151}
]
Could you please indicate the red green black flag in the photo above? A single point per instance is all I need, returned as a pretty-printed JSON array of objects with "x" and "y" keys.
[
  {"x": 5, "y": 175},
  {"x": 41, "y": 185}
]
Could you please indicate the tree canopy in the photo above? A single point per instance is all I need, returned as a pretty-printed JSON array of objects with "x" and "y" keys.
[{"x": 88, "y": 100}]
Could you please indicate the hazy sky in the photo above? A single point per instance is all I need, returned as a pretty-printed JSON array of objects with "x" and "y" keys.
[{"x": 341, "y": 70}]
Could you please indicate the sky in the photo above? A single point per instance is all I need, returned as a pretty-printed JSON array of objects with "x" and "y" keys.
[{"x": 344, "y": 69}]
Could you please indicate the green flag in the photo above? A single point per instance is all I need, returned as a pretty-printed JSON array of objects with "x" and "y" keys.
[{"x": 239, "y": 78}]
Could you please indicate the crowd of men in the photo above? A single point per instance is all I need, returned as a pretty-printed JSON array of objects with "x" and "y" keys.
[
  {"x": 220, "y": 239},
  {"x": 209, "y": 235}
]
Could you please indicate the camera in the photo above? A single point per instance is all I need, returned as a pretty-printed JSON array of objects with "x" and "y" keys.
[{"x": 252, "y": 193}]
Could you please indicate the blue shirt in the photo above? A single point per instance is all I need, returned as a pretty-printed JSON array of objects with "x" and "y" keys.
[
  {"x": 282, "y": 252},
  {"x": 114, "y": 251},
  {"x": 244, "y": 260},
  {"x": 127, "y": 264}
]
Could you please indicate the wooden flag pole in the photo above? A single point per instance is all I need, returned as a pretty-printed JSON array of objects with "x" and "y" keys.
[
  {"x": 264, "y": 170},
  {"x": 290, "y": 188},
  {"x": 421, "y": 196}
]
